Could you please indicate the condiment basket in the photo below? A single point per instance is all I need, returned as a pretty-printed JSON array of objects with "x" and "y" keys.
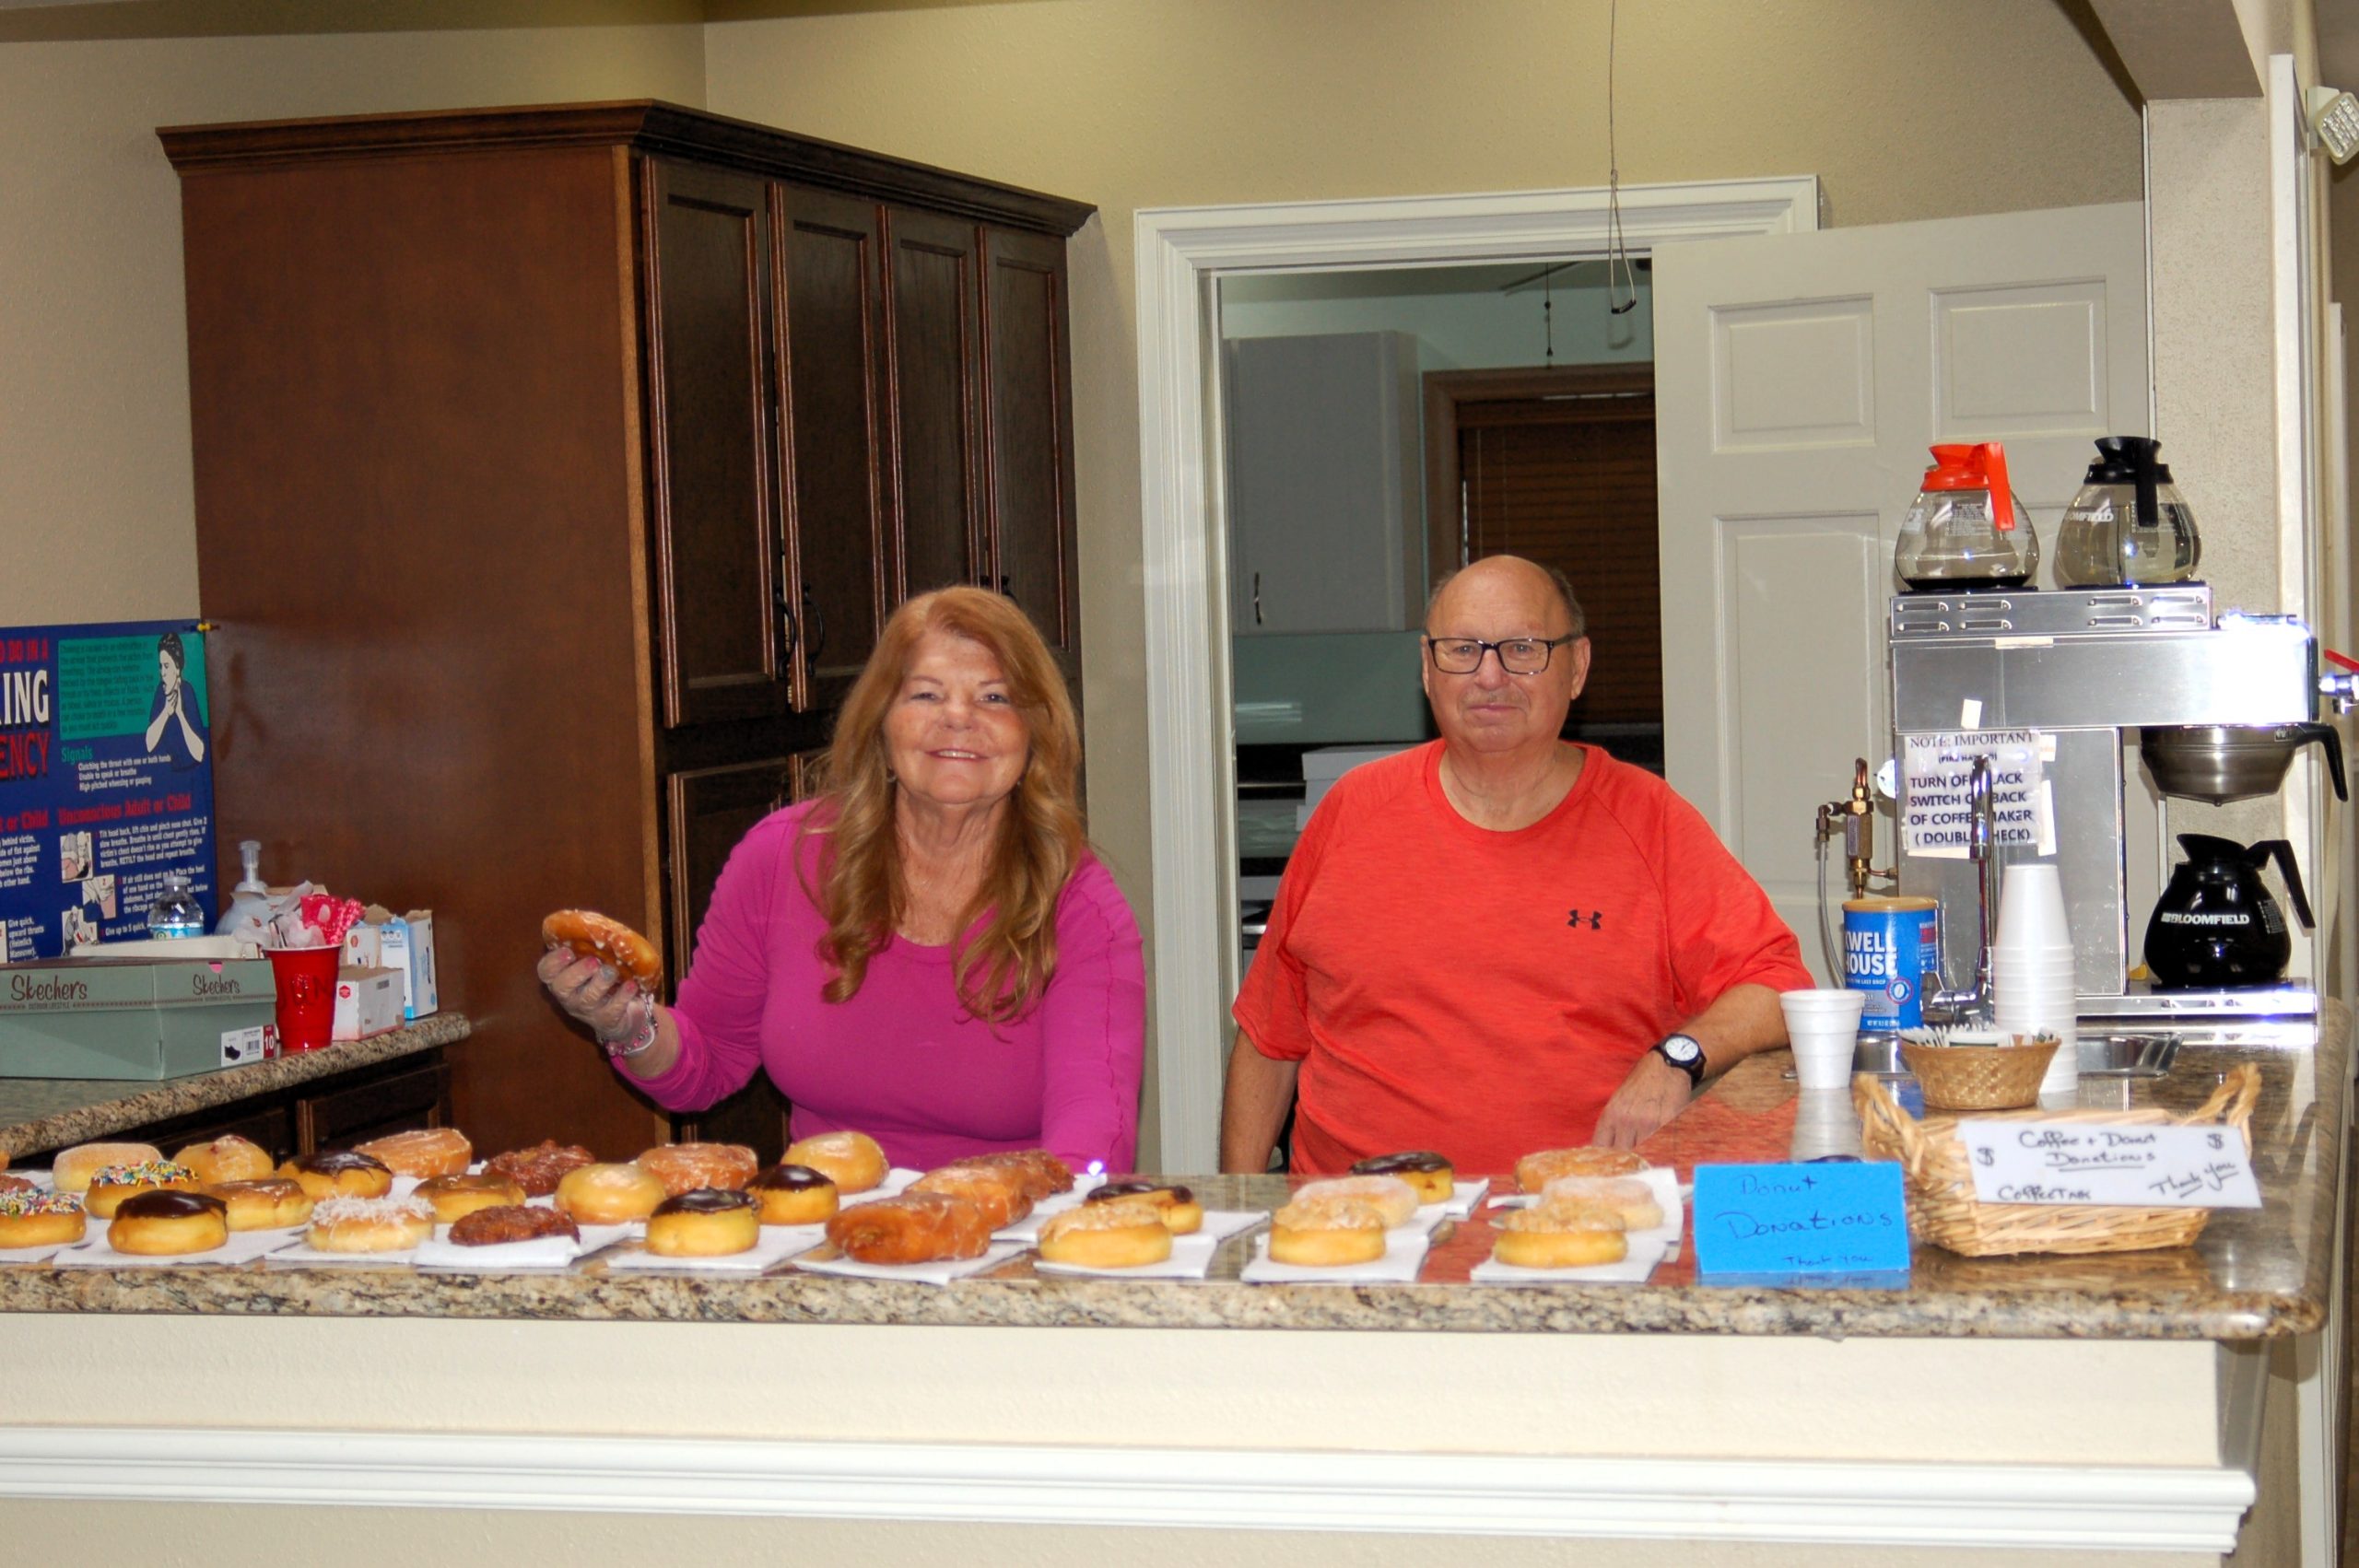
[
  {"x": 1944, "y": 1209},
  {"x": 1978, "y": 1077}
]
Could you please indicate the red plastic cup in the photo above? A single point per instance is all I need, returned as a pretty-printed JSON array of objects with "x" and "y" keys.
[{"x": 306, "y": 981}]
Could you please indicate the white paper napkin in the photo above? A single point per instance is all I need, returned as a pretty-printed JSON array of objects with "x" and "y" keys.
[
  {"x": 1463, "y": 1195},
  {"x": 1404, "y": 1254},
  {"x": 1647, "y": 1249},
  {"x": 776, "y": 1243},
  {"x": 922, "y": 1273},
  {"x": 302, "y": 1255},
  {"x": 1662, "y": 1180},
  {"x": 243, "y": 1246}
]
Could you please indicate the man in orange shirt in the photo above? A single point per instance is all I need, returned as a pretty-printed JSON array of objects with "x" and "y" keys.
[{"x": 1499, "y": 941}]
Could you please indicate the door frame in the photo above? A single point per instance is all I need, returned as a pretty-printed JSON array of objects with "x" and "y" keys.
[{"x": 1180, "y": 253}]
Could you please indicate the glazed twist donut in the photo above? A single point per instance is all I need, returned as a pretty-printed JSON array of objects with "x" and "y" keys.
[{"x": 916, "y": 1227}]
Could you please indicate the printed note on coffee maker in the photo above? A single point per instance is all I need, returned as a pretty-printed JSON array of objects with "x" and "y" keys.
[{"x": 1936, "y": 816}]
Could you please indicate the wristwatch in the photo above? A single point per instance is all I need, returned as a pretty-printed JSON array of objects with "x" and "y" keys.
[{"x": 1684, "y": 1052}]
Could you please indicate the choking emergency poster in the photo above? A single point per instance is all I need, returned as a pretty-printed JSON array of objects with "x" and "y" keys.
[{"x": 106, "y": 780}]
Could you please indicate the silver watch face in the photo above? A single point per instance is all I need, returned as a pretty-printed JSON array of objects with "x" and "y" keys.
[{"x": 1681, "y": 1049}]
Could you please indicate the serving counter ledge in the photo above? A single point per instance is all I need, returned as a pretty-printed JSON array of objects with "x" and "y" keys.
[
  {"x": 56, "y": 1113},
  {"x": 2253, "y": 1275}
]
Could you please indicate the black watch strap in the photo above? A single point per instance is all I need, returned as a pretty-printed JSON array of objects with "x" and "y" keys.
[{"x": 1684, "y": 1052}]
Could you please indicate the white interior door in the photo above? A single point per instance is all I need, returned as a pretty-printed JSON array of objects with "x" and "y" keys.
[{"x": 1799, "y": 380}]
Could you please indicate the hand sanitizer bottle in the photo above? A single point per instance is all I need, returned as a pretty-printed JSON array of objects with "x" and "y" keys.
[
  {"x": 176, "y": 912},
  {"x": 248, "y": 915}
]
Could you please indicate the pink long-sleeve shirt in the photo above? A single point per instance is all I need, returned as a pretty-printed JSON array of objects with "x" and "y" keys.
[{"x": 902, "y": 1060}]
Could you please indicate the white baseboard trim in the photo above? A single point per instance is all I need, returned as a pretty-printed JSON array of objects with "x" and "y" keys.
[{"x": 2054, "y": 1507}]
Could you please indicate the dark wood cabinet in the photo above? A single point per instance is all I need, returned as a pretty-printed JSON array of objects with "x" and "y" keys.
[
  {"x": 1029, "y": 402},
  {"x": 934, "y": 308},
  {"x": 713, "y": 415},
  {"x": 840, "y": 576},
  {"x": 555, "y": 470}
]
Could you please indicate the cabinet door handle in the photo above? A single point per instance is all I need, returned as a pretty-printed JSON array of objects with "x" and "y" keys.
[
  {"x": 1257, "y": 599},
  {"x": 818, "y": 622},
  {"x": 785, "y": 615}
]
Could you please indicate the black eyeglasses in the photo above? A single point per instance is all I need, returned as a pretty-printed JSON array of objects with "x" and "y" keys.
[{"x": 1518, "y": 655}]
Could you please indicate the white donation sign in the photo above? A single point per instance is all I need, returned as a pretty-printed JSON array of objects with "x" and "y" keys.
[
  {"x": 2117, "y": 1163},
  {"x": 1936, "y": 819}
]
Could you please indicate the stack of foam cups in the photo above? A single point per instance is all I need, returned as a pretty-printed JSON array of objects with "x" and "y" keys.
[{"x": 2031, "y": 989}]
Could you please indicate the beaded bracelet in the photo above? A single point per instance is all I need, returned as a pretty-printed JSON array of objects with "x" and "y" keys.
[{"x": 642, "y": 1039}]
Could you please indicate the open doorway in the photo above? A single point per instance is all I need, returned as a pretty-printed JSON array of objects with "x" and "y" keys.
[
  {"x": 1381, "y": 429},
  {"x": 1183, "y": 255}
]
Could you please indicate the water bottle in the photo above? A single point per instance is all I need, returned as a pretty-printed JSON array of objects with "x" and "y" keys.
[{"x": 176, "y": 912}]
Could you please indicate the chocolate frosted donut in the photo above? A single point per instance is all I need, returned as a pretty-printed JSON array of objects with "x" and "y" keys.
[
  {"x": 1431, "y": 1174},
  {"x": 1177, "y": 1206},
  {"x": 166, "y": 1223},
  {"x": 788, "y": 1178},
  {"x": 705, "y": 1223},
  {"x": 1108, "y": 1192},
  {"x": 340, "y": 1172},
  {"x": 704, "y": 1200},
  {"x": 795, "y": 1195}
]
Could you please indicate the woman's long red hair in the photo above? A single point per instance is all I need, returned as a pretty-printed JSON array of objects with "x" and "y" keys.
[{"x": 1005, "y": 964}]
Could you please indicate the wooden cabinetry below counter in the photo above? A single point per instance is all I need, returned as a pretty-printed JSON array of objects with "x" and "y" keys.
[{"x": 555, "y": 468}]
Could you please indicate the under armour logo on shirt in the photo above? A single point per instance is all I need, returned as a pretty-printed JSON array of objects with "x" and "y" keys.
[{"x": 1596, "y": 919}]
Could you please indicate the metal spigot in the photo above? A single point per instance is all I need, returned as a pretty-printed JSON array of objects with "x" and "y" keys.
[
  {"x": 1970, "y": 1007},
  {"x": 1858, "y": 815}
]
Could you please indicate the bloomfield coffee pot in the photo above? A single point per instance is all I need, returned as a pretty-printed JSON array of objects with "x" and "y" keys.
[{"x": 2216, "y": 924}]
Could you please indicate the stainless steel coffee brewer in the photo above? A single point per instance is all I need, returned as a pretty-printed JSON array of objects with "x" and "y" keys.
[{"x": 2042, "y": 687}]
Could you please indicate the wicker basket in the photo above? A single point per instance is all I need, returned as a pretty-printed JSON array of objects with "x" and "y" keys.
[
  {"x": 1944, "y": 1209},
  {"x": 1980, "y": 1078}
]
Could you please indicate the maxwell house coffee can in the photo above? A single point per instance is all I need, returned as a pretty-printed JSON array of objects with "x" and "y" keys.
[{"x": 1889, "y": 945}]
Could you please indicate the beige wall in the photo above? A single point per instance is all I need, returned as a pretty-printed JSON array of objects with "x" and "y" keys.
[{"x": 96, "y": 510}]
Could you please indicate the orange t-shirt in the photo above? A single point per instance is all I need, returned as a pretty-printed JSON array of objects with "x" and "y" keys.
[{"x": 1483, "y": 994}]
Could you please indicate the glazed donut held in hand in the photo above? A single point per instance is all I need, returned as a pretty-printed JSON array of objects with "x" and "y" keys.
[{"x": 601, "y": 972}]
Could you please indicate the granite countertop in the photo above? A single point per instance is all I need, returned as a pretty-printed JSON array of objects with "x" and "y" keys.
[
  {"x": 2253, "y": 1274},
  {"x": 56, "y": 1113}
]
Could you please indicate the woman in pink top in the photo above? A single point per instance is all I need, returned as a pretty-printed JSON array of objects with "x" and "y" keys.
[{"x": 928, "y": 953}]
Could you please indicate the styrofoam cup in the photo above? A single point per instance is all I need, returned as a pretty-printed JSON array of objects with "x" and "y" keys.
[
  {"x": 1826, "y": 1006},
  {"x": 2031, "y": 908}
]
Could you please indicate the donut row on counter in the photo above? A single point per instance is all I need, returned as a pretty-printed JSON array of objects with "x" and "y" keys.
[{"x": 711, "y": 1201}]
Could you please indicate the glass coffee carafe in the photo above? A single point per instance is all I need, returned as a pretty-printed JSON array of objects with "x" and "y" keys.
[
  {"x": 2129, "y": 526},
  {"x": 1968, "y": 529}
]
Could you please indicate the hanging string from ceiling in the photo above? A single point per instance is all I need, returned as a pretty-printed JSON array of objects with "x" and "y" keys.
[{"x": 1616, "y": 254}]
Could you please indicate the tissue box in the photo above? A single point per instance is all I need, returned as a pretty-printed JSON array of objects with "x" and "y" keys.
[
  {"x": 130, "y": 1018},
  {"x": 368, "y": 1001},
  {"x": 382, "y": 940}
]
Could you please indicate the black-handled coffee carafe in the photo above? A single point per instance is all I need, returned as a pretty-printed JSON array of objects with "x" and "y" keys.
[{"x": 2216, "y": 924}]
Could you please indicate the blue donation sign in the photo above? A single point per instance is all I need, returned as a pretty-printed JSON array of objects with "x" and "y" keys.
[
  {"x": 106, "y": 780},
  {"x": 1831, "y": 1218}
]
